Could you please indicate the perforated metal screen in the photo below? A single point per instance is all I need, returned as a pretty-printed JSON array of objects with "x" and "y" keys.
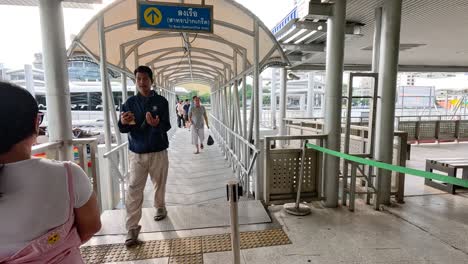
[{"x": 284, "y": 173}]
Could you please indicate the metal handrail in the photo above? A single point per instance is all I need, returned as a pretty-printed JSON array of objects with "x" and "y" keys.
[
  {"x": 46, "y": 146},
  {"x": 236, "y": 135},
  {"x": 234, "y": 155},
  {"x": 246, "y": 168},
  {"x": 107, "y": 154},
  {"x": 318, "y": 136}
]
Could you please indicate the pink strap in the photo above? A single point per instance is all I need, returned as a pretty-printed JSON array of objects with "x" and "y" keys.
[{"x": 70, "y": 188}]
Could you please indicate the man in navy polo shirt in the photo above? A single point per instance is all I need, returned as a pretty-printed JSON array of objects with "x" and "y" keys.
[{"x": 145, "y": 117}]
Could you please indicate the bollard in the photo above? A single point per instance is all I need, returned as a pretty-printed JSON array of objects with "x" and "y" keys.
[
  {"x": 298, "y": 208},
  {"x": 233, "y": 192}
]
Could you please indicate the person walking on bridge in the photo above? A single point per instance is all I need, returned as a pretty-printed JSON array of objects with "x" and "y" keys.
[
  {"x": 145, "y": 117},
  {"x": 198, "y": 117}
]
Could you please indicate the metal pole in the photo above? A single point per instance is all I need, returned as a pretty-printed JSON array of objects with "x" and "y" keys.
[
  {"x": 297, "y": 208},
  {"x": 233, "y": 197},
  {"x": 391, "y": 21},
  {"x": 29, "y": 79},
  {"x": 430, "y": 102},
  {"x": 260, "y": 98},
  {"x": 257, "y": 91},
  {"x": 302, "y": 102},
  {"x": 105, "y": 95},
  {"x": 123, "y": 76},
  {"x": 334, "y": 83},
  {"x": 446, "y": 103},
  {"x": 310, "y": 95},
  {"x": 282, "y": 116},
  {"x": 56, "y": 76},
  {"x": 402, "y": 100},
  {"x": 376, "y": 45},
  {"x": 137, "y": 60},
  {"x": 244, "y": 96},
  {"x": 273, "y": 98}
]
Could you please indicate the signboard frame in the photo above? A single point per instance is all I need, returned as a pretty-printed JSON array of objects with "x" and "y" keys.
[{"x": 139, "y": 17}]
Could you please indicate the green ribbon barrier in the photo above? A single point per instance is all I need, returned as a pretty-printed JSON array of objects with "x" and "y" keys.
[{"x": 385, "y": 166}]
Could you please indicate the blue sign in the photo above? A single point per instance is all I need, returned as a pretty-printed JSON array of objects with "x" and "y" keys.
[
  {"x": 175, "y": 17},
  {"x": 292, "y": 15}
]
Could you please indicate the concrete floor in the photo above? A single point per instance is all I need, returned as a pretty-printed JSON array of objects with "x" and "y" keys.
[{"x": 431, "y": 227}]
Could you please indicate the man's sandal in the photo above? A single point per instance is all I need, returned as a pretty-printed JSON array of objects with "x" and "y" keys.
[
  {"x": 161, "y": 213},
  {"x": 132, "y": 237}
]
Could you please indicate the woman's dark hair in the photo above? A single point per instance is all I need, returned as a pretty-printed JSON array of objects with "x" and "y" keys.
[
  {"x": 18, "y": 112},
  {"x": 144, "y": 69}
]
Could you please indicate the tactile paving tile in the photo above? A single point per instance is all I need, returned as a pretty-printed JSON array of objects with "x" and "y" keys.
[
  {"x": 216, "y": 243},
  {"x": 155, "y": 249},
  {"x": 265, "y": 238},
  {"x": 94, "y": 254},
  {"x": 187, "y": 259},
  {"x": 182, "y": 250},
  {"x": 186, "y": 246},
  {"x": 118, "y": 252}
]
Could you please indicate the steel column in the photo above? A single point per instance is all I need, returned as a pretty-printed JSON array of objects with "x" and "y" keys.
[
  {"x": 310, "y": 95},
  {"x": 105, "y": 95},
  {"x": 334, "y": 83},
  {"x": 377, "y": 34},
  {"x": 273, "y": 98},
  {"x": 283, "y": 101},
  {"x": 257, "y": 91},
  {"x": 390, "y": 41},
  {"x": 56, "y": 76},
  {"x": 124, "y": 87}
]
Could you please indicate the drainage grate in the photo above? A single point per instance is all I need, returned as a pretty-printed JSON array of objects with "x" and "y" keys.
[{"x": 182, "y": 250}]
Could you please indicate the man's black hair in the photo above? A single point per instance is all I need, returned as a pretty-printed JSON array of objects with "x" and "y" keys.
[{"x": 144, "y": 69}]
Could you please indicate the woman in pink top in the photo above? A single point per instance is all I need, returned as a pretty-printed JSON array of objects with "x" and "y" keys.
[{"x": 47, "y": 208}]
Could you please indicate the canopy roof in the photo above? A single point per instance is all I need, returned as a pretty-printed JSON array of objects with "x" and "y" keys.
[{"x": 182, "y": 57}]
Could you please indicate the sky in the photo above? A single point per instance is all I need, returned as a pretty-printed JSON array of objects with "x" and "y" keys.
[{"x": 21, "y": 35}]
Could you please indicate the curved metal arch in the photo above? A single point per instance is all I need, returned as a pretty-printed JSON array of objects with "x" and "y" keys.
[
  {"x": 215, "y": 22},
  {"x": 193, "y": 50},
  {"x": 187, "y": 68},
  {"x": 227, "y": 65},
  {"x": 193, "y": 80},
  {"x": 187, "y": 71},
  {"x": 174, "y": 83},
  {"x": 179, "y": 82},
  {"x": 195, "y": 76},
  {"x": 205, "y": 51},
  {"x": 138, "y": 42},
  {"x": 194, "y": 62},
  {"x": 181, "y": 74},
  {"x": 232, "y": 2},
  {"x": 166, "y": 67}
]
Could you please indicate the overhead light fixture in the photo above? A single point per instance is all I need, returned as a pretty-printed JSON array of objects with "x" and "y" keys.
[
  {"x": 300, "y": 32},
  {"x": 305, "y": 37}
]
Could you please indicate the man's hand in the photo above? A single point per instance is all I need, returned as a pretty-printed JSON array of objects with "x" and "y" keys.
[
  {"x": 127, "y": 118},
  {"x": 154, "y": 122}
]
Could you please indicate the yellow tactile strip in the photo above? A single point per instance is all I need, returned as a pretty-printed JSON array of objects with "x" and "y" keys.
[
  {"x": 182, "y": 250},
  {"x": 187, "y": 259}
]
